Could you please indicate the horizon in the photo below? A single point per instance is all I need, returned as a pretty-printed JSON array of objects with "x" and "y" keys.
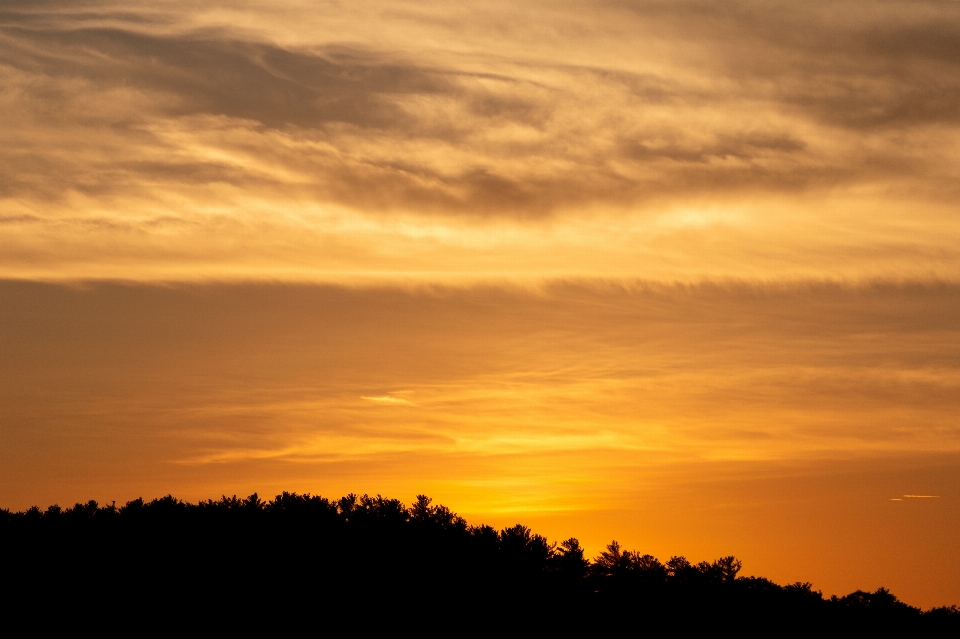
[{"x": 421, "y": 505}]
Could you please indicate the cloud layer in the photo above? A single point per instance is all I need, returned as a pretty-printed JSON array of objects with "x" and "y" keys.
[{"x": 153, "y": 127}]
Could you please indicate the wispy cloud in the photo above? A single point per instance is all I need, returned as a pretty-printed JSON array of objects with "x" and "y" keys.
[
  {"x": 389, "y": 400},
  {"x": 720, "y": 372},
  {"x": 267, "y": 128}
]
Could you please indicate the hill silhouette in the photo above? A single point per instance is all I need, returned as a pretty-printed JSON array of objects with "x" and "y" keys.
[{"x": 363, "y": 563}]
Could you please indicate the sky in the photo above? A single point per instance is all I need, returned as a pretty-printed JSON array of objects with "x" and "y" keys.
[{"x": 681, "y": 273}]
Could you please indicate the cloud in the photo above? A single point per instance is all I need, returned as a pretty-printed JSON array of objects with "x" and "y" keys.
[
  {"x": 389, "y": 400},
  {"x": 217, "y": 75},
  {"x": 719, "y": 102},
  {"x": 719, "y": 371}
]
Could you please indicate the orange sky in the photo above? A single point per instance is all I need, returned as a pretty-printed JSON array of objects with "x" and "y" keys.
[{"x": 682, "y": 273}]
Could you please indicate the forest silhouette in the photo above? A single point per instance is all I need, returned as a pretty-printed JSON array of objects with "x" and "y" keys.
[{"x": 371, "y": 562}]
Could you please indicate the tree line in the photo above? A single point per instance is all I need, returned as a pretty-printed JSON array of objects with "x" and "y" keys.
[{"x": 372, "y": 562}]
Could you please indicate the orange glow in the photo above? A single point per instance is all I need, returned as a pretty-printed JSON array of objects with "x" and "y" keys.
[{"x": 683, "y": 274}]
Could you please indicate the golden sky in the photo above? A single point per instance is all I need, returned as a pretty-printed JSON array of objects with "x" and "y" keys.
[{"x": 682, "y": 273}]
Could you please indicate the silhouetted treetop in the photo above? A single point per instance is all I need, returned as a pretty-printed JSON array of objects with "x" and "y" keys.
[{"x": 379, "y": 560}]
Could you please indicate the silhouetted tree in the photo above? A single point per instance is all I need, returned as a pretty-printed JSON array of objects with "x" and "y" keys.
[{"x": 368, "y": 561}]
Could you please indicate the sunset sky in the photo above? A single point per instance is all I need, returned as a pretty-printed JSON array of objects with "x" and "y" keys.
[{"x": 676, "y": 272}]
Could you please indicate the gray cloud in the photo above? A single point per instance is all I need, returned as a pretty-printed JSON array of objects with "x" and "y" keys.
[
  {"x": 863, "y": 64},
  {"x": 220, "y": 76}
]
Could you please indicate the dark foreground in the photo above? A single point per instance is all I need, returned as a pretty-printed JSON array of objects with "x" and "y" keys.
[{"x": 305, "y": 563}]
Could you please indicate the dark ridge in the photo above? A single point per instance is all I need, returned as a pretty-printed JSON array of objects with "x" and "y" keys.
[{"x": 306, "y": 563}]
